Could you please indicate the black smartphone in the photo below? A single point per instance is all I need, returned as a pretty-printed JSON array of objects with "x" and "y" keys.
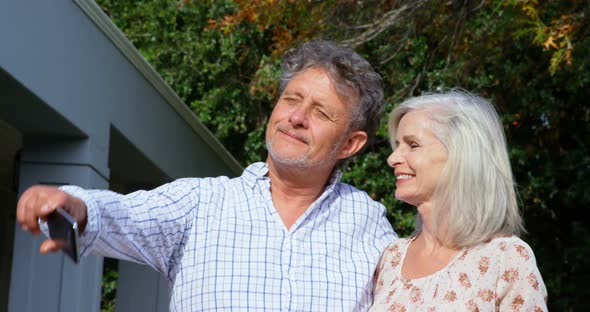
[{"x": 64, "y": 229}]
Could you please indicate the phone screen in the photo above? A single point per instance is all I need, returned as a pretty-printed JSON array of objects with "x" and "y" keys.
[{"x": 64, "y": 229}]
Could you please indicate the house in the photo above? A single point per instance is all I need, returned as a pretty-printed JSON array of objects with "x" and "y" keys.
[{"x": 79, "y": 105}]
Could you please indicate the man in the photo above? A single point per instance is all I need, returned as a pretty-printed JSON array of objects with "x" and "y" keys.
[{"x": 286, "y": 235}]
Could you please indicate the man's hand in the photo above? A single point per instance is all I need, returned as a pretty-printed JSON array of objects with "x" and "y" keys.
[{"x": 39, "y": 202}]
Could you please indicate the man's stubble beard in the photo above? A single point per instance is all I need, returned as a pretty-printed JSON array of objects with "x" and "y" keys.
[{"x": 304, "y": 161}]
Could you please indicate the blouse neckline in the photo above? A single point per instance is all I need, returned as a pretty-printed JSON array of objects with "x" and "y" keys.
[{"x": 429, "y": 276}]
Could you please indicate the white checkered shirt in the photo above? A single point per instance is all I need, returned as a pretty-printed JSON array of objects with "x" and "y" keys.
[{"x": 222, "y": 245}]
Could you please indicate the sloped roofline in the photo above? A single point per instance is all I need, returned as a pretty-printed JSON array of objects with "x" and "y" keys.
[{"x": 106, "y": 25}]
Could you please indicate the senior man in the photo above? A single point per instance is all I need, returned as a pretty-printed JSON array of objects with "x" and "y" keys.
[{"x": 285, "y": 235}]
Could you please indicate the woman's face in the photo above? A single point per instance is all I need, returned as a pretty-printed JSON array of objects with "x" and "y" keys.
[{"x": 418, "y": 159}]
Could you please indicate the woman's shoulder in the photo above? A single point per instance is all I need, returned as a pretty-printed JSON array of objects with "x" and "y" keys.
[
  {"x": 504, "y": 243},
  {"x": 499, "y": 259},
  {"x": 399, "y": 243},
  {"x": 505, "y": 248},
  {"x": 397, "y": 248},
  {"x": 519, "y": 278},
  {"x": 392, "y": 256},
  {"x": 509, "y": 240}
]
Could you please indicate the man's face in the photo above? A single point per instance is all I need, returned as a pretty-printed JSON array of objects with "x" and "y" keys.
[{"x": 308, "y": 126}]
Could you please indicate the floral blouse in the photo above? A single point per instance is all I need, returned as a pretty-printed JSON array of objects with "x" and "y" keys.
[{"x": 500, "y": 275}]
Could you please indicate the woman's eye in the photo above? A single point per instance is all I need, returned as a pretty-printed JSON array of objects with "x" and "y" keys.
[{"x": 414, "y": 145}]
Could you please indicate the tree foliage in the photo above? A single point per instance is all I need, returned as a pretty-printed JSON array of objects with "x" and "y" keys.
[{"x": 530, "y": 57}]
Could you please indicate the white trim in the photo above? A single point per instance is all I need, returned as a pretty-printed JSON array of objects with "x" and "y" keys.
[{"x": 104, "y": 23}]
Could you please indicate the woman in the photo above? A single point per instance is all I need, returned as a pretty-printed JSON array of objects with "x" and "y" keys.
[{"x": 451, "y": 162}]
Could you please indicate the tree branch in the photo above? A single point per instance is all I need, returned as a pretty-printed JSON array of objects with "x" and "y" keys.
[{"x": 387, "y": 20}]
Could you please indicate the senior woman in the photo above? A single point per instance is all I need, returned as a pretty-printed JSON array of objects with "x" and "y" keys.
[{"x": 450, "y": 161}]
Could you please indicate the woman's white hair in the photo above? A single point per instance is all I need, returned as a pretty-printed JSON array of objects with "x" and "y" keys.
[{"x": 475, "y": 199}]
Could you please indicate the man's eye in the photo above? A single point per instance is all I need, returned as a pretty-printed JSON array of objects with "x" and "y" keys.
[
  {"x": 290, "y": 100},
  {"x": 323, "y": 115},
  {"x": 414, "y": 145}
]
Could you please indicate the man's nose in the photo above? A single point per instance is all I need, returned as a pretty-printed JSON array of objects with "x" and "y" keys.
[{"x": 299, "y": 117}]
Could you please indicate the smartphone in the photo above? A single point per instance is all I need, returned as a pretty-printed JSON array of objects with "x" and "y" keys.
[{"x": 64, "y": 229}]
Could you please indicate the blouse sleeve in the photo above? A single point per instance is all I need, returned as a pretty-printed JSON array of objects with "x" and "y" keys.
[
  {"x": 377, "y": 283},
  {"x": 520, "y": 285}
]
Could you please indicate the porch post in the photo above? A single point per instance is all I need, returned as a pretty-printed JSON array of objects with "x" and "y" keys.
[{"x": 53, "y": 282}]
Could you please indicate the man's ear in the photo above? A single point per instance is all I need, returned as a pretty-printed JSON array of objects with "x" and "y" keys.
[{"x": 355, "y": 141}]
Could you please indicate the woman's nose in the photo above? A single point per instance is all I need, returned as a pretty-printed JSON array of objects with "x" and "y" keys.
[{"x": 394, "y": 158}]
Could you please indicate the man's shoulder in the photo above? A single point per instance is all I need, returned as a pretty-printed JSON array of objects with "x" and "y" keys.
[
  {"x": 202, "y": 180},
  {"x": 204, "y": 183},
  {"x": 363, "y": 211}
]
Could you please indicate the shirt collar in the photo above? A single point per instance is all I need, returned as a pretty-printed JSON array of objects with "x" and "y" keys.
[{"x": 259, "y": 170}]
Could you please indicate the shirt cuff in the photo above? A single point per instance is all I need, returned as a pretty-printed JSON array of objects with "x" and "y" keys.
[{"x": 90, "y": 234}]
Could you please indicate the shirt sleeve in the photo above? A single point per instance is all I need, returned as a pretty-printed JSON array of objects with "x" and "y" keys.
[
  {"x": 520, "y": 285},
  {"x": 147, "y": 227}
]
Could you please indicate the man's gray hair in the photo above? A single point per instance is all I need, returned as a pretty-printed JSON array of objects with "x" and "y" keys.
[
  {"x": 349, "y": 72},
  {"x": 475, "y": 199}
]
